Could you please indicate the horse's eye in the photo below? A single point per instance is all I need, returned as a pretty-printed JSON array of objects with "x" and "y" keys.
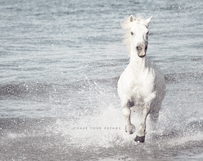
[
  {"x": 147, "y": 32},
  {"x": 131, "y": 33}
]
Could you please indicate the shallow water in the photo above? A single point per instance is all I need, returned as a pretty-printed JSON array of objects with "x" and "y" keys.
[{"x": 60, "y": 62}]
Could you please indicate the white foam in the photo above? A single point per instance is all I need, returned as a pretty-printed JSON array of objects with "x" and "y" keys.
[
  {"x": 105, "y": 129},
  {"x": 15, "y": 135}
]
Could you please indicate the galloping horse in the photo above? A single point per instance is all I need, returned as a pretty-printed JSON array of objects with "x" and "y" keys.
[{"x": 141, "y": 86}]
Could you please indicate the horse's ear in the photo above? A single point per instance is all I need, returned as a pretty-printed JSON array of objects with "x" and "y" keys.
[
  {"x": 147, "y": 21},
  {"x": 131, "y": 18}
]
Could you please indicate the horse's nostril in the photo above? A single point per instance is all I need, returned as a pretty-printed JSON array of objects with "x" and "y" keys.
[{"x": 139, "y": 48}]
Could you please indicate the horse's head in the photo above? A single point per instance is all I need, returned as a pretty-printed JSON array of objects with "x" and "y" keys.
[{"x": 138, "y": 30}]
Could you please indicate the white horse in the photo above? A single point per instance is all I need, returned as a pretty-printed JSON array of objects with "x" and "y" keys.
[{"x": 141, "y": 86}]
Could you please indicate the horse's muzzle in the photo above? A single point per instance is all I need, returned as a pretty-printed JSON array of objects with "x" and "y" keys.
[{"x": 141, "y": 50}]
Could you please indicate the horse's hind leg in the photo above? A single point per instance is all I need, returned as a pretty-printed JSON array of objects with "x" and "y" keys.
[
  {"x": 130, "y": 128},
  {"x": 140, "y": 137},
  {"x": 154, "y": 114}
]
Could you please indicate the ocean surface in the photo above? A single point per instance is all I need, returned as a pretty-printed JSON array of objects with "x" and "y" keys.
[{"x": 60, "y": 61}]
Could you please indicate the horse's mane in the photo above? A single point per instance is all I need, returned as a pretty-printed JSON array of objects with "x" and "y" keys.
[{"x": 127, "y": 25}]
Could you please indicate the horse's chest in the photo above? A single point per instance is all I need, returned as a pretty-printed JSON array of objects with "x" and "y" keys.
[
  {"x": 139, "y": 88},
  {"x": 138, "y": 94}
]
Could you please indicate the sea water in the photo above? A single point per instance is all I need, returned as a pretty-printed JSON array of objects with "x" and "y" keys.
[{"x": 59, "y": 66}]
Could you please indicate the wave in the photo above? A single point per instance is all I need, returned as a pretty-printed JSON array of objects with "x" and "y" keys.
[
  {"x": 88, "y": 138},
  {"x": 182, "y": 77},
  {"x": 18, "y": 88},
  {"x": 91, "y": 123},
  {"x": 40, "y": 88},
  {"x": 21, "y": 88}
]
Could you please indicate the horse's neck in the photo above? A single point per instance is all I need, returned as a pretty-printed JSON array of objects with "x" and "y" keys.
[{"x": 139, "y": 63}]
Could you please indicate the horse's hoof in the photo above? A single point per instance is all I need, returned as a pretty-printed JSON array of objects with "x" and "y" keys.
[{"x": 140, "y": 139}]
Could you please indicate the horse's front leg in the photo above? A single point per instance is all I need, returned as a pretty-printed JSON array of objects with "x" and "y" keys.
[
  {"x": 130, "y": 128},
  {"x": 140, "y": 137}
]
